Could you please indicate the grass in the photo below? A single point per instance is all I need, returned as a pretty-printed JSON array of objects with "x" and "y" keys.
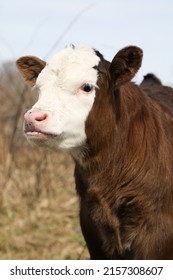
[{"x": 39, "y": 207}]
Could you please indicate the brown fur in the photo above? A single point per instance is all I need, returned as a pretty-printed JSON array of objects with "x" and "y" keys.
[
  {"x": 30, "y": 67},
  {"x": 126, "y": 184}
]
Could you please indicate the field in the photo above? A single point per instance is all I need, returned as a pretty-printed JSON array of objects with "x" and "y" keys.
[{"x": 39, "y": 207}]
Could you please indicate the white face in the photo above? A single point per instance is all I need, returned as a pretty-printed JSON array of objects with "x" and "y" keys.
[{"x": 66, "y": 94}]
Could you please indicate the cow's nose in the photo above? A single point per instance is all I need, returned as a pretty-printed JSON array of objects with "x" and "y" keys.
[
  {"x": 34, "y": 120},
  {"x": 35, "y": 116}
]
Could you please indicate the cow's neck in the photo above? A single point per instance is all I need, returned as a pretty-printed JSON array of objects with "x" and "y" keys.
[
  {"x": 107, "y": 129},
  {"x": 115, "y": 164},
  {"x": 113, "y": 154},
  {"x": 105, "y": 149}
]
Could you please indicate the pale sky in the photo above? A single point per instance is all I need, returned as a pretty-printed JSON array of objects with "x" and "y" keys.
[{"x": 37, "y": 27}]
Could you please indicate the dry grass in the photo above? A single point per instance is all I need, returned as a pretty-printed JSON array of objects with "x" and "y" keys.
[{"x": 38, "y": 204}]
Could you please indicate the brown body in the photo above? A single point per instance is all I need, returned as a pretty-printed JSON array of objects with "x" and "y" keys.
[{"x": 126, "y": 193}]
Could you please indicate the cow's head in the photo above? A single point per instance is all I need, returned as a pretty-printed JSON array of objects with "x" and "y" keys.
[{"x": 67, "y": 86}]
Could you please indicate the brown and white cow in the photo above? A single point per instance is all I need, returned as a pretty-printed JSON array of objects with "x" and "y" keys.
[{"x": 121, "y": 138}]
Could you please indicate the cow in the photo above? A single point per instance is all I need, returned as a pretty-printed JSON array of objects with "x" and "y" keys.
[{"x": 120, "y": 136}]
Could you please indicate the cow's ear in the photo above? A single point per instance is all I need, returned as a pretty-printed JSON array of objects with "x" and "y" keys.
[
  {"x": 30, "y": 67},
  {"x": 125, "y": 64}
]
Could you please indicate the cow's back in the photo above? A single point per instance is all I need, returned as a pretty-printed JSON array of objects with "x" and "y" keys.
[{"x": 154, "y": 88}]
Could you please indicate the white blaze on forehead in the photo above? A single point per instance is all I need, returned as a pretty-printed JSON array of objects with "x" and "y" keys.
[
  {"x": 71, "y": 65},
  {"x": 59, "y": 84}
]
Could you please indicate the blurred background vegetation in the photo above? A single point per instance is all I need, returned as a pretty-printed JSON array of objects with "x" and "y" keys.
[{"x": 39, "y": 207}]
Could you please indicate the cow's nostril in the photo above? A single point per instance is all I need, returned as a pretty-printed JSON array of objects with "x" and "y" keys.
[{"x": 41, "y": 117}]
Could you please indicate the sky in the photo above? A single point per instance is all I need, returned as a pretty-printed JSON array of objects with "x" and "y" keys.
[{"x": 42, "y": 28}]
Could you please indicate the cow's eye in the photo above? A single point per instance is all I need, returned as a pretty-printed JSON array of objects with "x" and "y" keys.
[{"x": 87, "y": 87}]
